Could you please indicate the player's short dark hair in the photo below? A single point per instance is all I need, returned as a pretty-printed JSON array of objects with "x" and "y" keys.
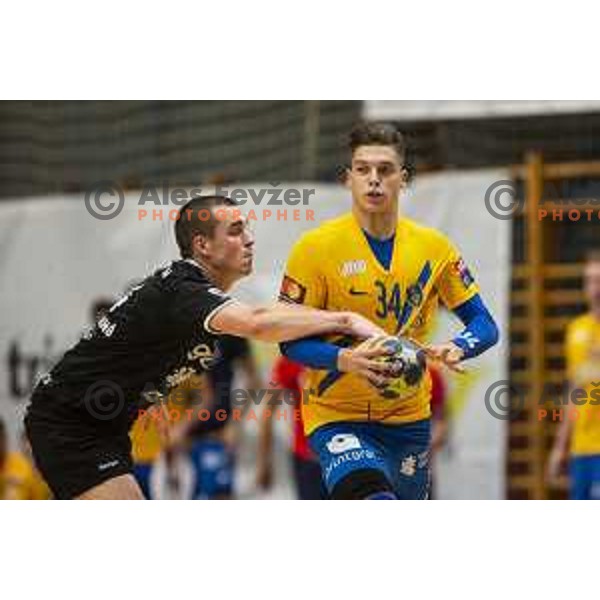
[
  {"x": 190, "y": 222},
  {"x": 377, "y": 134}
]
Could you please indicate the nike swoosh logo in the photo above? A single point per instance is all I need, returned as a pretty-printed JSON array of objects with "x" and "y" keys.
[{"x": 354, "y": 292}]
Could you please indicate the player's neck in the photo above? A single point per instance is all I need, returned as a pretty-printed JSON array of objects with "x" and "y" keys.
[
  {"x": 595, "y": 312},
  {"x": 218, "y": 278},
  {"x": 380, "y": 226}
]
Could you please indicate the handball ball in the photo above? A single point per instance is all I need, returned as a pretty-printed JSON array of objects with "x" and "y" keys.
[{"x": 407, "y": 365}]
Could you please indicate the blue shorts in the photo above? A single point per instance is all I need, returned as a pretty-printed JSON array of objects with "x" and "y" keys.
[
  {"x": 142, "y": 473},
  {"x": 584, "y": 473},
  {"x": 214, "y": 466},
  {"x": 400, "y": 452}
]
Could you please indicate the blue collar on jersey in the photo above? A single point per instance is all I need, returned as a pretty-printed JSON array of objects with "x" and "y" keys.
[{"x": 382, "y": 249}]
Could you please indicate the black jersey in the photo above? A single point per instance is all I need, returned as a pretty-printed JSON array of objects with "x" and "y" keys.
[
  {"x": 150, "y": 340},
  {"x": 221, "y": 378}
]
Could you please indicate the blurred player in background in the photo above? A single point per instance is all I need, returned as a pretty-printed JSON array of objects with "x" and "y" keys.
[
  {"x": 394, "y": 272},
  {"x": 162, "y": 332},
  {"x": 578, "y": 435},
  {"x": 288, "y": 376},
  {"x": 18, "y": 478},
  {"x": 152, "y": 445},
  {"x": 215, "y": 441}
]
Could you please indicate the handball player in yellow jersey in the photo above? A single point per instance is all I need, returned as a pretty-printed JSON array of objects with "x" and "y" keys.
[
  {"x": 394, "y": 272},
  {"x": 578, "y": 436}
]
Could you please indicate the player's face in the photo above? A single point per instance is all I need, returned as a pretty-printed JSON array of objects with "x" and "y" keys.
[
  {"x": 231, "y": 249},
  {"x": 591, "y": 279},
  {"x": 376, "y": 178}
]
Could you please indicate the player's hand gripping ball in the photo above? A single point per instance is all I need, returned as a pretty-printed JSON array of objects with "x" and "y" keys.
[{"x": 407, "y": 365}]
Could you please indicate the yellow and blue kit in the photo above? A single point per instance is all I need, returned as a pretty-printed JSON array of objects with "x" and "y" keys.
[
  {"x": 146, "y": 441},
  {"x": 20, "y": 481},
  {"x": 398, "y": 284},
  {"x": 582, "y": 350}
]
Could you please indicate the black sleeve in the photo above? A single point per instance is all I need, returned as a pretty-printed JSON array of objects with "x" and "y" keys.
[{"x": 195, "y": 303}]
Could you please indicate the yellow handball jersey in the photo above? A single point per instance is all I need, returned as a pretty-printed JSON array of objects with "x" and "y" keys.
[
  {"x": 333, "y": 267},
  {"x": 146, "y": 441},
  {"x": 20, "y": 481},
  {"x": 583, "y": 370}
]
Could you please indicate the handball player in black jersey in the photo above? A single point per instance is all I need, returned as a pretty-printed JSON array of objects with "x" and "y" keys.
[{"x": 165, "y": 329}]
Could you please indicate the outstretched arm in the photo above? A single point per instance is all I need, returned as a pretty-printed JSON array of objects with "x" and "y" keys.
[{"x": 282, "y": 322}]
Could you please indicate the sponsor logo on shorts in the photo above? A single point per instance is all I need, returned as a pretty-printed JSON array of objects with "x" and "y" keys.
[
  {"x": 408, "y": 466},
  {"x": 349, "y": 456},
  {"x": 342, "y": 442},
  {"x": 108, "y": 465}
]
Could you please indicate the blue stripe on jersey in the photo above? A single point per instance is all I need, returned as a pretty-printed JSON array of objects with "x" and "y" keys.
[{"x": 407, "y": 309}]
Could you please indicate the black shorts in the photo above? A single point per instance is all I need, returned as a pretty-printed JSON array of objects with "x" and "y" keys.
[{"x": 74, "y": 454}]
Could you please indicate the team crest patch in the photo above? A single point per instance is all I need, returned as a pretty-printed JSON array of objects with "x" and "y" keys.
[
  {"x": 414, "y": 295},
  {"x": 292, "y": 291},
  {"x": 463, "y": 272},
  {"x": 409, "y": 466}
]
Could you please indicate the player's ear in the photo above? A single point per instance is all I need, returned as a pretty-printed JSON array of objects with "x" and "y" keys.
[
  {"x": 405, "y": 175},
  {"x": 345, "y": 176},
  {"x": 200, "y": 244}
]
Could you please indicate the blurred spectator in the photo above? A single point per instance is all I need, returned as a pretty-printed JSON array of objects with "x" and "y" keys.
[
  {"x": 18, "y": 478},
  {"x": 159, "y": 447},
  {"x": 306, "y": 470},
  {"x": 214, "y": 441}
]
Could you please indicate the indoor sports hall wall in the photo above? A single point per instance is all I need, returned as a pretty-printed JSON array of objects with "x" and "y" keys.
[{"x": 55, "y": 259}]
